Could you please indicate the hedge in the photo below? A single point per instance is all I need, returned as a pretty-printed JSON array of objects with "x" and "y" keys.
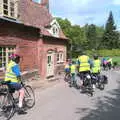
[{"x": 111, "y": 53}]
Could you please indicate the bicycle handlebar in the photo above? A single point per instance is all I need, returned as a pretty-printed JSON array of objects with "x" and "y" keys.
[{"x": 4, "y": 82}]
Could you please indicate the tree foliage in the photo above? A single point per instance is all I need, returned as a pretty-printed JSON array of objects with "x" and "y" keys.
[
  {"x": 111, "y": 37},
  {"x": 90, "y": 37}
]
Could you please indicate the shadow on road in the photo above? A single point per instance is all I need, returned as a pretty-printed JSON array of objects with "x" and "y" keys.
[{"x": 107, "y": 108}]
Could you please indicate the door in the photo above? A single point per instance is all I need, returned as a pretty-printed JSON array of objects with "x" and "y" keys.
[{"x": 50, "y": 64}]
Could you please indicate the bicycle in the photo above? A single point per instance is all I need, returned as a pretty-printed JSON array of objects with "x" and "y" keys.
[
  {"x": 67, "y": 77},
  {"x": 8, "y": 103},
  {"x": 87, "y": 86}
]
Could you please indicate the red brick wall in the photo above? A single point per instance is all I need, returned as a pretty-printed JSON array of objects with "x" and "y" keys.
[
  {"x": 41, "y": 58},
  {"x": 53, "y": 44},
  {"x": 25, "y": 39},
  {"x": 31, "y": 48}
]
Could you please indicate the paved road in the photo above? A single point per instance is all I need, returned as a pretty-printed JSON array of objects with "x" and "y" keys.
[{"x": 63, "y": 103}]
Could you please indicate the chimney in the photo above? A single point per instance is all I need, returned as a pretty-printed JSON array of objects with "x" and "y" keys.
[{"x": 45, "y": 3}]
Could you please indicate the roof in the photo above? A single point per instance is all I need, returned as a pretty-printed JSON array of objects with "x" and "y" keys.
[
  {"x": 10, "y": 20},
  {"x": 47, "y": 33},
  {"x": 3, "y": 19},
  {"x": 32, "y": 13},
  {"x": 36, "y": 15}
]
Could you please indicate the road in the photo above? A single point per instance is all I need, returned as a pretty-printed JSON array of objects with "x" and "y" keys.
[{"x": 63, "y": 103}]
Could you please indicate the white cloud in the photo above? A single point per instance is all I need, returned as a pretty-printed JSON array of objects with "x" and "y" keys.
[
  {"x": 116, "y": 2},
  {"x": 84, "y": 11}
]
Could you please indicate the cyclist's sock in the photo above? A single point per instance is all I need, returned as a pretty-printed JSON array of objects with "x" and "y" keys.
[
  {"x": 20, "y": 104},
  {"x": 21, "y": 98}
]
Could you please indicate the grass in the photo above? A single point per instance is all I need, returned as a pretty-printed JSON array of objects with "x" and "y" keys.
[{"x": 116, "y": 59}]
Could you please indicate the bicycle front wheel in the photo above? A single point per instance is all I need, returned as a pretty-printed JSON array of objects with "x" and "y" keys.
[
  {"x": 29, "y": 98},
  {"x": 7, "y": 108}
]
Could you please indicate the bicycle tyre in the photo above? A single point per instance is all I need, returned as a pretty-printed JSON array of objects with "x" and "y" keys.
[
  {"x": 29, "y": 98},
  {"x": 7, "y": 107},
  {"x": 101, "y": 86}
]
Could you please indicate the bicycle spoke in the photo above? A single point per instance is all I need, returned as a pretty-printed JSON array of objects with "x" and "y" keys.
[
  {"x": 29, "y": 98},
  {"x": 7, "y": 108}
]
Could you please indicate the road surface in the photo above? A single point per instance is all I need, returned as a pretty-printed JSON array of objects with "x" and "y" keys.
[{"x": 60, "y": 102}]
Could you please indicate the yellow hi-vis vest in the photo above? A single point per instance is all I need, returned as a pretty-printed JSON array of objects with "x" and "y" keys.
[
  {"x": 96, "y": 66},
  {"x": 110, "y": 60},
  {"x": 72, "y": 68},
  {"x": 10, "y": 75},
  {"x": 84, "y": 64}
]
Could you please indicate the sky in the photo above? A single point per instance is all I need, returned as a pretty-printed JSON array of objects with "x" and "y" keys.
[{"x": 81, "y": 12}]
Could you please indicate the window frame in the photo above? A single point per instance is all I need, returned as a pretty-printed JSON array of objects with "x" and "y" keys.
[
  {"x": 5, "y": 52},
  {"x": 11, "y": 11},
  {"x": 60, "y": 57}
]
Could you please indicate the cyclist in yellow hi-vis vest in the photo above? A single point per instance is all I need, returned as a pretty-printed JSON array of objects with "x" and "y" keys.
[
  {"x": 73, "y": 73},
  {"x": 110, "y": 63},
  {"x": 13, "y": 77},
  {"x": 96, "y": 68},
  {"x": 96, "y": 65},
  {"x": 84, "y": 65}
]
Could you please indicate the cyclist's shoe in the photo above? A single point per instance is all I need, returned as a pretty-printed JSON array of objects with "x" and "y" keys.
[{"x": 21, "y": 111}]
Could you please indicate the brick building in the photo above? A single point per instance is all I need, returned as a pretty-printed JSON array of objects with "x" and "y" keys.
[{"x": 28, "y": 29}]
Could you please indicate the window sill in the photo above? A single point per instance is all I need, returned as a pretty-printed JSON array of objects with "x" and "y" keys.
[
  {"x": 2, "y": 69},
  {"x": 60, "y": 62}
]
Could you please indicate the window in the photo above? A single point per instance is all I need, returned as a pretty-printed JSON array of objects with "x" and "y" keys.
[
  {"x": 54, "y": 32},
  {"x": 5, "y": 7},
  {"x": 60, "y": 57},
  {"x": 5, "y": 52},
  {"x": 9, "y": 8},
  {"x": 49, "y": 59},
  {"x": 12, "y": 9}
]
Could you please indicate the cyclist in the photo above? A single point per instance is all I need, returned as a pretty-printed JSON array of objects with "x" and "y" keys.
[
  {"x": 84, "y": 65},
  {"x": 73, "y": 73},
  {"x": 67, "y": 68},
  {"x": 13, "y": 77},
  {"x": 105, "y": 62},
  {"x": 110, "y": 63},
  {"x": 96, "y": 67}
]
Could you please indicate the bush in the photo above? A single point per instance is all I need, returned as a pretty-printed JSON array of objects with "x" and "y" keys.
[{"x": 104, "y": 52}]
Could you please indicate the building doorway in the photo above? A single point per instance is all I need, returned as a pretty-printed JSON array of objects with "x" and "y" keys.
[{"x": 50, "y": 63}]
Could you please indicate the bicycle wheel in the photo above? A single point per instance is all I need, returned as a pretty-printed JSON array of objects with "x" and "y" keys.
[
  {"x": 7, "y": 108},
  {"x": 29, "y": 98}
]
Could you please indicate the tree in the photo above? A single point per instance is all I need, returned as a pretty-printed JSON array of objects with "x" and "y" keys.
[
  {"x": 99, "y": 36},
  {"x": 111, "y": 36},
  {"x": 91, "y": 36},
  {"x": 87, "y": 37}
]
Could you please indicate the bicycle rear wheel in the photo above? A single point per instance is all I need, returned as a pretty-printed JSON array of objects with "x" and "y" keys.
[
  {"x": 7, "y": 108},
  {"x": 29, "y": 98}
]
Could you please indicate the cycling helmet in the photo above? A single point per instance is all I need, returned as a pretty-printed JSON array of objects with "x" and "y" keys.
[
  {"x": 14, "y": 57},
  {"x": 95, "y": 57}
]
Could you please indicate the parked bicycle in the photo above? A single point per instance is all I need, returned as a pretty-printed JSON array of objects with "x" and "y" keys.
[{"x": 8, "y": 102}]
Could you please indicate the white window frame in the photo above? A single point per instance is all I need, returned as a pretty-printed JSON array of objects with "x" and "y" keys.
[
  {"x": 5, "y": 52},
  {"x": 60, "y": 57},
  {"x": 12, "y": 10},
  {"x": 55, "y": 31}
]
